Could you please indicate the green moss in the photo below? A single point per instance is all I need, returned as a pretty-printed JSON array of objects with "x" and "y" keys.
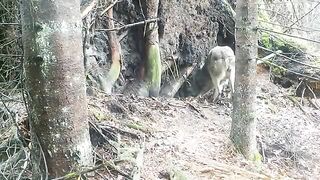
[
  {"x": 154, "y": 68},
  {"x": 276, "y": 70},
  {"x": 278, "y": 43},
  {"x": 265, "y": 40},
  {"x": 256, "y": 157},
  {"x": 268, "y": 41},
  {"x": 112, "y": 76}
]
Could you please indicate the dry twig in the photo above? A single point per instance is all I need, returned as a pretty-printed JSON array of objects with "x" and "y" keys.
[
  {"x": 109, "y": 7},
  {"x": 303, "y": 16},
  {"x": 297, "y": 103},
  {"x": 106, "y": 164},
  {"x": 286, "y": 57},
  {"x": 129, "y": 25},
  {"x": 285, "y": 34},
  {"x": 216, "y": 166},
  {"x": 98, "y": 130},
  {"x": 87, "y": 9}
]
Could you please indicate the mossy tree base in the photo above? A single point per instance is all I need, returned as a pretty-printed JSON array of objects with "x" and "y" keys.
[
  {"x": 115, "y": 49},
  {"x": 153, "y": 60}
]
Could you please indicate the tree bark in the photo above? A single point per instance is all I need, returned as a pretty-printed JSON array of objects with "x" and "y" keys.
[
  {"x": 243, "y": 129},
  {"x": 114, "y": 44},
  {"x": 153, "y": 61},
  {"x": 55, "y": 83}
]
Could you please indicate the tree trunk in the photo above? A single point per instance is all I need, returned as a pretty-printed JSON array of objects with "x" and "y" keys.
[
  {"x": 153, "y": 62},
  {"x": 243, "y": 129},
  {"x": 55, "y": 83},
  {"x": 114, "y": 44}
]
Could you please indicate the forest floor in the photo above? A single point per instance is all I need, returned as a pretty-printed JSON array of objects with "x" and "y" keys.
[
  {"x": 189, "y": 137},
  {"x": 168, "y": 138}
]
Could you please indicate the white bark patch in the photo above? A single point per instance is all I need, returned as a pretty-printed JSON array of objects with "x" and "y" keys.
[
  {"x": 57, "y": 135},
  {"x": 65, "y": 109},
  {"x": 77, "y": 79},
  {"x": 65, "y": 27},
  {"x": 84, "y": 149},
  {"x": 43, "y": 40}
]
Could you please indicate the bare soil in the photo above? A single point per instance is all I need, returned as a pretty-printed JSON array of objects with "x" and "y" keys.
[
  {"x": 168, "y": 138},
  {"x": 190, "y": 138}
]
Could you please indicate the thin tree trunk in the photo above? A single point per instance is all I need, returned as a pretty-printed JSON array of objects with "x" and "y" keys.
[
  {"x": 114, "y": 44},
  {"x": 243, "y": 130},
  {"x": 55, "y": 83},
  {"x": 153, "y": 62}
]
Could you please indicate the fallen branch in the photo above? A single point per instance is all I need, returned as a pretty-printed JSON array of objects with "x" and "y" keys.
[
  {"x": 286, "y": 57},
  {"x": 130, "y": 25},
  {"x": 109, "y": 7},
  {"x": 118, "y": 130},
  {"x": 269, "y": 56},
  {"x": 294, "y": 72},
  {"x": 7, "y": 24},
  {"x": 170, "y": 89},
  {"x": 77, "y": 174}
]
